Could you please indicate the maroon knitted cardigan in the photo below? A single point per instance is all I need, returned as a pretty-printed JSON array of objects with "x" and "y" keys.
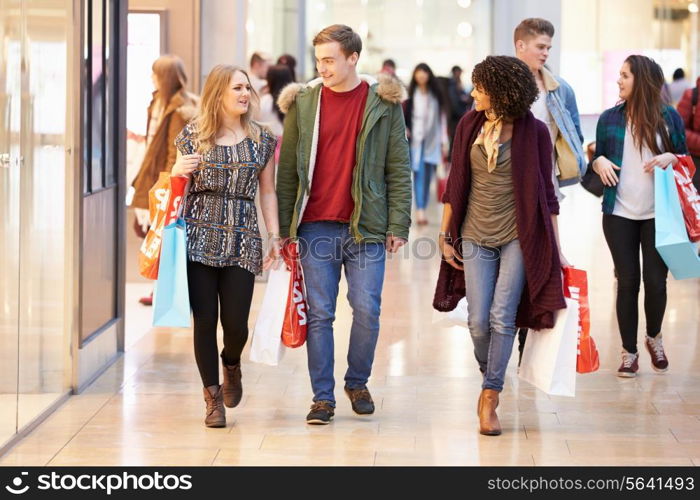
[{"x": 535, "y": 201}]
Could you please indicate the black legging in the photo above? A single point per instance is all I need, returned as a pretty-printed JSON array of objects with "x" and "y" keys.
[
  {"x": 233, "y": 287},
  {"x": 624, "y": 237}
]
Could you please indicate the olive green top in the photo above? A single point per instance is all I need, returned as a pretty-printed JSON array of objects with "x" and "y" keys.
[{"x": 490, "y": 217}]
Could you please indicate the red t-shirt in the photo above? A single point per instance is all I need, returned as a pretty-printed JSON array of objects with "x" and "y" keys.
[{"x": 340, "y": 123}]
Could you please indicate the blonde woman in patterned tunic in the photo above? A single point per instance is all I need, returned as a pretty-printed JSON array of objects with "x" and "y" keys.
[{"x": 225, "y": 154}]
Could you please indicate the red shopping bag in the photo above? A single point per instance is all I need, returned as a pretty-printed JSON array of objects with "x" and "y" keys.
[
  {"x": 294, "y": 326},
  {"x": 164, "y": 200},
  {"x": 683, "y": 172},
  {"x": 576, "y": 288}
]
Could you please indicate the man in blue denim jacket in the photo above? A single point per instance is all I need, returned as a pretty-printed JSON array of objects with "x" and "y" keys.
[{"x": 556, "y": 106}]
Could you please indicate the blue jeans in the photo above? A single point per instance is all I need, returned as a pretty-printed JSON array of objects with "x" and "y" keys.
[
  {"x": 325, "y": 248},
  {"x": 495, "y": 278},
  {"x": 421, "y": 184}
]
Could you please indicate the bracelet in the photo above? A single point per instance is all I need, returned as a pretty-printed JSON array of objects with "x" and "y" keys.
[
  {"x": 443, "y": 234},
  {"x": 272, "y": 236}
]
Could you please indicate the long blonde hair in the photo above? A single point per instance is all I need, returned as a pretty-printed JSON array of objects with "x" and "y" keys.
[
  {"x": 170, "y": 71},
  {"x": 208, "y": 121}
]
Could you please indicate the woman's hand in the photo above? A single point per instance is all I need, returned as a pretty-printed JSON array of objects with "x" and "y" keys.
[
  {"x": 273, "y": 257},
  {"x": 606, "y": 170},
  {"x": 663, "y": 160},
  {"x": 185, "y": 165},
  {"x": 449, "y": 254}
]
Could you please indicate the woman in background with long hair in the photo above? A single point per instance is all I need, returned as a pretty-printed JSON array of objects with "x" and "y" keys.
[
  {"x": 170, "y": 109},
  {"x": 426, "y": 124}
]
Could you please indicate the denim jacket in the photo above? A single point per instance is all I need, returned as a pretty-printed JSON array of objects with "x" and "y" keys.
[{"x": 561, "y": 104}]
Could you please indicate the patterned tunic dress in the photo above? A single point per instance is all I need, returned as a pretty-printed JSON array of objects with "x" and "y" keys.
[{"x": 220, "y": 211}]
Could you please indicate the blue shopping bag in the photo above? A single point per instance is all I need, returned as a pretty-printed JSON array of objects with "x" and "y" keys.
[
  {"x": 672, "y": 242},
  {"x": 171, "y": 298}
]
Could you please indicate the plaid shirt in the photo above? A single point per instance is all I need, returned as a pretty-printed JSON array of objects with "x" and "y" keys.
[{"x": 610, "y": 142}]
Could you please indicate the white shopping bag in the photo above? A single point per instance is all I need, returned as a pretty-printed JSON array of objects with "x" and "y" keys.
[
  {"x": 267, "y": 347},
  {"x": 455, "y": 317},
  {"x": 549, "y": 358}
]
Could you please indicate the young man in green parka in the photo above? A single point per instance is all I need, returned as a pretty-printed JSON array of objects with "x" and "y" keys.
[{"x": 344, "y": 192}]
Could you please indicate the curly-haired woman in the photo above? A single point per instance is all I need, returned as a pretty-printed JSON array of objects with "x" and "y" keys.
[
  {"x": 499, "y": 227},
  {"x": 634, "y": 137}
]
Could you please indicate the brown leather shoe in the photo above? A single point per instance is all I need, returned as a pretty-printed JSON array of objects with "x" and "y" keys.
[
  {"x": 233, "y": 389},
  {"x": 488, "y": 420},
  {"x": 216, "y": 413}
]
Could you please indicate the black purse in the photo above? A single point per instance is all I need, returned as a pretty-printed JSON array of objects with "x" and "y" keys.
[{"x": 592, "y": 182}]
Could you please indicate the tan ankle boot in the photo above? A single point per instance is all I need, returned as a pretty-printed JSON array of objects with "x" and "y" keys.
[
  {"x": 233, "y": 389},
  {"x": 216, "y": 413},
  {"x": 488, "y": 420}
]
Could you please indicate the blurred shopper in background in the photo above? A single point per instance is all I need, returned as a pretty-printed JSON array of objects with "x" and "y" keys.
[
  {"x": 555, "y": 106},
  {"x": 170, "y": 109},
  {"x": 389, "y": 68},
  {"x": 678, "y": 86},
  {"x": 460, "y": 101},
  {"x": 278, "y": 77},
  {"x": 226, "y": 155},
  {"x": 291, "y": 63},
  {"x": 499, "y": 237},
  {"x": 259, "y": 63},
  {"x": 689, "y": 111},
  {"x": 632, "y": 139},
  {"x": 426, "y": 126},
  {"x": 359, "y": 133}
]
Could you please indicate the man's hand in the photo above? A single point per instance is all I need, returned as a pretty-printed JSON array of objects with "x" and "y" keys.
[{"x": 393, "y": 243}]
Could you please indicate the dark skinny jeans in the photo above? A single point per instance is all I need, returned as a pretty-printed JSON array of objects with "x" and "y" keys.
[
  {"x": 232, "y": 287},
  {"x": 625, "y": 237}
]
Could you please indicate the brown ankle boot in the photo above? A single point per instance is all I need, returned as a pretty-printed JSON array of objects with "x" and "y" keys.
[
  {"x": 488, "y": 420},
  {"x": 216, "y": 413},
  {"x": 233, "y": 389}
]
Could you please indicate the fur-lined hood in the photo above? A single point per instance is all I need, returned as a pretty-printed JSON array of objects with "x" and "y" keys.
[{"x": 387, "y": 88}]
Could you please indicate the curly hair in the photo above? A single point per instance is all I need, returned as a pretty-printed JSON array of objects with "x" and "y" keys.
[{"x": 508, "y": 82}]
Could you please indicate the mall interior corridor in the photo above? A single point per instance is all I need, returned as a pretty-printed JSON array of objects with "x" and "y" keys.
[{"x": 147, "y": 408}]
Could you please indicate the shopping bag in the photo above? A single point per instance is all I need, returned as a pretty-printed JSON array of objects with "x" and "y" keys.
[
  {"x": 576, "y": 288},
  {"x": 267, "y": 347},
  {"x": 549, "y": 357},
  {"x": 295, "y": 318},
  {"x": 456, "y": 317},
  {"x": 683, "y": 172},
  {"x": 164, "y": 200},
  {"x": 672, "y": 242},
  {"x": 171, "y": 298}
]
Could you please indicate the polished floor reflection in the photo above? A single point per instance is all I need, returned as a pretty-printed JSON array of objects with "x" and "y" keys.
[{"x": 148, "y": 409}]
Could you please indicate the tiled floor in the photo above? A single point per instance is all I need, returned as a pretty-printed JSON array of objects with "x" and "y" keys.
[{"x": 148, "y": 409}]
